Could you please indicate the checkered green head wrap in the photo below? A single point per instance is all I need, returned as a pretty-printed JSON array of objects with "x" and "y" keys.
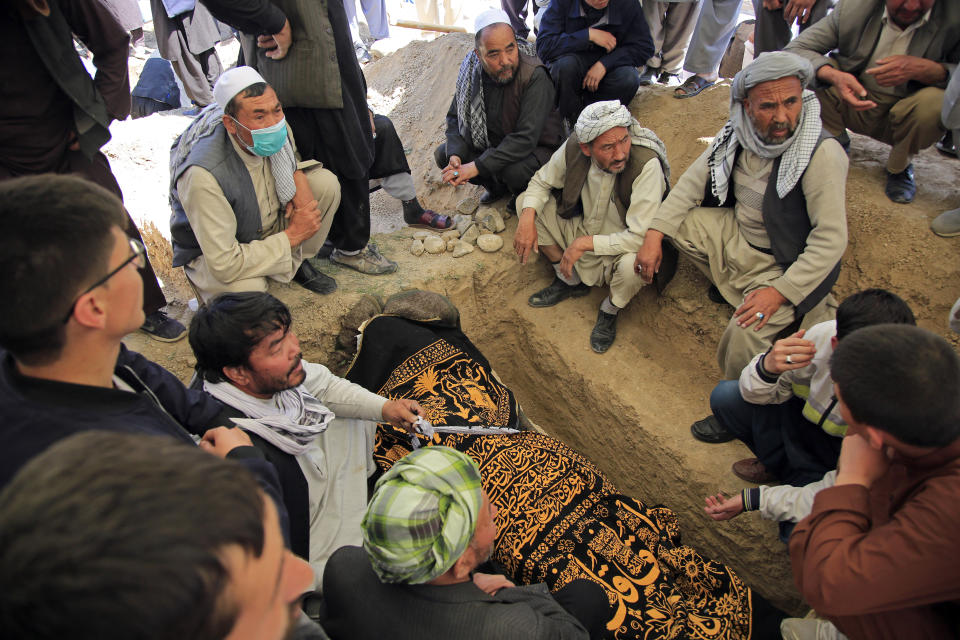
[{"x": 422, "y": 515}]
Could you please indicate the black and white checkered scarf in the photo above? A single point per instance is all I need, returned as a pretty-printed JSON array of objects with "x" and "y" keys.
[{"x": 471, "y": 113}]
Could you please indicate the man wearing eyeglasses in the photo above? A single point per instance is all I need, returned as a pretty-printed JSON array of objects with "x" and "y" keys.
[{"x": 74, "y": 292}]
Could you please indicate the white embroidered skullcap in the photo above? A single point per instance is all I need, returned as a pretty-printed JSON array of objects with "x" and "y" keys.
[
  {"x": 489, "y": 17},
  {"x": 232, "y": 82},
  {"x": 599, "y": 118}
]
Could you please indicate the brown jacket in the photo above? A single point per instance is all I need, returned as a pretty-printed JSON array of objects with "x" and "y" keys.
[{"x": 892, "y": 573}]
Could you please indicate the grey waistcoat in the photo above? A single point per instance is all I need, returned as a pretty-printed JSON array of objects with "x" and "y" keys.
[{"x": 216, "y": 154}]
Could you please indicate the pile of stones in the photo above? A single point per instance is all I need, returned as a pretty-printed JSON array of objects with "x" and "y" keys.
[{"x": 475, "y": 227}]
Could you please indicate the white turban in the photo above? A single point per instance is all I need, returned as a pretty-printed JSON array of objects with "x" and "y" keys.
[
  {"x": 599, "y": 118},
  {"x": 489, "y": 17},
  {"x": 232, "y": 82}
]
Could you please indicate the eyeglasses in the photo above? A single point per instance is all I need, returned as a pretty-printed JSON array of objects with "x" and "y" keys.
[{"x": 138, "y": 256}]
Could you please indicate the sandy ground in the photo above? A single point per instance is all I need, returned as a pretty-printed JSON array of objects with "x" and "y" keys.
[{"x": 630, "y": 409}]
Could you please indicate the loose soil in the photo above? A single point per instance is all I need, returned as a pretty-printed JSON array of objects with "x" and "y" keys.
[{"x": 630, "y": 409}]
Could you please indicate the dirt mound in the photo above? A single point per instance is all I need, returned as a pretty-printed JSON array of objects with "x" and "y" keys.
[{"x": 630, "y": 409}]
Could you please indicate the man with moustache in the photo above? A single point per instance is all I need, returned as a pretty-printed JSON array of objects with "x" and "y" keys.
[
  {"x": 762, "y": 211},
  {"x": 610, "y": 177},
  {"x": 501, "y": 125},
  {"x": 316, "y": 428},
  {"x": 593, "y": 49},
  {"x": 882, "y": 68}
]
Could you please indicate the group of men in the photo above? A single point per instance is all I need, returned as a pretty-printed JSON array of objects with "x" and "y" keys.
[{"x": 867, "y": 407}]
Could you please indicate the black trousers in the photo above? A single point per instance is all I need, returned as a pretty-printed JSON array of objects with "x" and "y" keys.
[{"x": 513, "y": 178}]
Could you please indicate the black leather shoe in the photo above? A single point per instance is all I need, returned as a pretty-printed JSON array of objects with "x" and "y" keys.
[
  {"x": 489, "y": 196},
  {"x": 604, "y": 332},
  {"x": 557, "y": 292},
  {"x": 946, "y": 145},
  {"x": 512, "y": 205},
  {"x": 901, "y": 187},
  {"x": 668, "y": 267},
  {"x": 710, "y": 430},
  {"x": 309, "y": 278}
]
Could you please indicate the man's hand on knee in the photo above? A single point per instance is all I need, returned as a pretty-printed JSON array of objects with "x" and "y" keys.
[
  {"x": 302, "y": 222},
  {"x": 596, "y": 73},
  {"x": 573, "y": 253},
  {"x": 648, "y": 258},
  {"x": 758, "y": 306},
  {"x": 525, "y": 237}
]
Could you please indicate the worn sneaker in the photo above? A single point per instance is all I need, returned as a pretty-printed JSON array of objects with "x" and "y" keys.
[
  {"x": 159, "y": 326},
  {"x": 368, "y": 261},
  {"x": 557, "y": 291},
  {"x": 947, "y": 224},
  {"x": 648, "y": 76}
]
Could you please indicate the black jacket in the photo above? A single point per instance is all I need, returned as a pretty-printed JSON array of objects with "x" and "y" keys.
[{"x": 37, "y": 413}]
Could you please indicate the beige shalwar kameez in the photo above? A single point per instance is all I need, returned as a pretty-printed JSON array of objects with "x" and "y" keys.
[
  {"x": 228, "y": 265},
  {"x": 615, "y": 245},
  {"x": 715, "y": 239}
]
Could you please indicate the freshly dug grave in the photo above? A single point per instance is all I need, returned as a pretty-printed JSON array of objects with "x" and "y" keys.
[{"x": 630, "y": 409}]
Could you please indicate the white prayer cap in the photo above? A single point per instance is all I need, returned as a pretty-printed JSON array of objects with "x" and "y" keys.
[
  {"x": 489, "y": 17},
  {"x": 600, "y": 117},
  {"x": 232, "y": 82}
]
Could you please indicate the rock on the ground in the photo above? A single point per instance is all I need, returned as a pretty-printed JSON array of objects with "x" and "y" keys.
[
  {"x": 467, "y": 206},
  {"x": 450, "y": 233},
  {"x": 422, "y": 235},
  {"x": 462, "y": 249},
  {"x": 434, "y": 244},
  {"x": 489, "y": 242},
  {"x": 491, "y": 220},
  {"x": 416, "y": 247},
  {"x": 462, "y": 223},
  {"x": 471, "y": 235},
  {"x": 451, "y": 243}
]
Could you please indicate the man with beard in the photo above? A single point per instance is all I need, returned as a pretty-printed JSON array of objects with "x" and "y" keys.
[
  {"x": 428, "y": 526},
  {"x": 501, "y": 125},
  {"x": 761, "y": 212},
  {"x": 316, "y": 428},
  {"x": 610, "y": 177},
  {"x": 882, "y": 68}
]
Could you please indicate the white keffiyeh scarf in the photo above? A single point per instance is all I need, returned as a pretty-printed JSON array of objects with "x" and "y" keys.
[{"x": 294, "y": 421}]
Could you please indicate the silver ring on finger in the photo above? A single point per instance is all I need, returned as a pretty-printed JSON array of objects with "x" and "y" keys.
[
  {"x": 760, "y": 315},
  {"x": 789, "y": 359}
]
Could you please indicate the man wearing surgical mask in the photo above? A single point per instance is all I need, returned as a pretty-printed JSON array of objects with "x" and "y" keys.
[{"x": 245, "y": 209}]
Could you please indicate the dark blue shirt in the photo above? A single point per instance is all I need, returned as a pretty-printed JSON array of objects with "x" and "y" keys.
[{"x": 565, "y": 24}]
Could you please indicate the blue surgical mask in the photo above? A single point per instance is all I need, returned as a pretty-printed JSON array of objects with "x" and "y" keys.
[{"x": 267, "y": 141}]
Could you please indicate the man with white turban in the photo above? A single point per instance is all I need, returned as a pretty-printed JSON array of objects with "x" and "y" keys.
[
  {"x": 762, "y": 211},
  {"x": 428, "y": 526},
  {"x": 245, "y": 209},
  {"x": 502, "y": 124},
  {"x": 609, "y": 179}
]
